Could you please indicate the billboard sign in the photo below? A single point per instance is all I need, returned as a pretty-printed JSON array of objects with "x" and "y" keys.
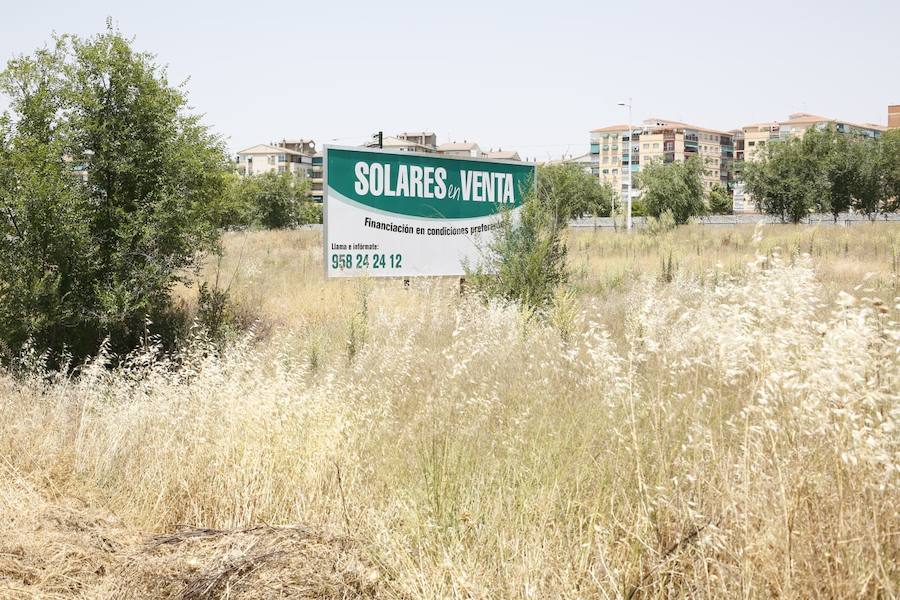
[{"x": 404, "y": 214}]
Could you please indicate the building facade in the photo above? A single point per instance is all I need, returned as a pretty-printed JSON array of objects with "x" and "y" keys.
[
  {"x": 399, "y": 144},
  {"x": 316, "y": 174},
  {"x": 467, "y": 149},
  {"x": 616, "y": 149},
  {"x": 894, "y": 116},
  {"x": 422, "y": 138},
  {"x": 293, "y": 157},
  {"x": 503, "y": 155}
]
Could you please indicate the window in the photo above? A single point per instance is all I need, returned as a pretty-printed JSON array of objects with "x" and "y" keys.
[
  {"x": 646, "y": 146},
  {"x": 605, "y": 159},
  {"x": 606, "y": 171},
  {"x": 656, "y": 146},
  {"x": 751, "y": 143},
  {"x": 238, "y": 161},
  {"x": 615, "y": 171}
]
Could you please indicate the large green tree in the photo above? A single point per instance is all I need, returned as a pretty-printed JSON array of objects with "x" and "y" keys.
[
  {"x": 105, "y": 185},
  {"x": 676, "y": 188},
  {"x": 888, "y": 162},
  {"x": 786, "y": 181},
  {"x": 569, "y": 192}
]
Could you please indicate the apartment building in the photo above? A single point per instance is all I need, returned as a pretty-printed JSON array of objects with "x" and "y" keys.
[
  {"x": 422, "y": 138},
  {"x": 501, "y": 154},
  {"x": 672, "y": 141},
  {"x": 316, "y": 176},
  {"x": 610, "y": 150},
  {"x": 399, "y": 144},
  {"x": 467, "y": 149},
  {"x": 426, "y": 141},
  {"x": 894, "y": 116},
  {"x": 287, "y": 156},
  {"x": 615, "y": 149}
]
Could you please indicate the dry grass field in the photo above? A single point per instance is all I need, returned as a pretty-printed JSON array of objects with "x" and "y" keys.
[{"x": 712, "y": 413}]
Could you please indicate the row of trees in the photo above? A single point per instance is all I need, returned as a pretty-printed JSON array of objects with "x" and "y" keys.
[{"x": 826, "y": 171}]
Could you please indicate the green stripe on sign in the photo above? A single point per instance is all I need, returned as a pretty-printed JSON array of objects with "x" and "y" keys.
[{"x": 425, "y": 186}]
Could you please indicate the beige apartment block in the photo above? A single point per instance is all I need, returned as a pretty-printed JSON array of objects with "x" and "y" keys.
[
  {"x": 422, "y": 138},
  {"x": 467, "y": 149},
  {"x": 660, "y": 140},
  {"x": 269, "y": 158},
  {"x": 502, "y": 154},
  {"x": 399, "y": 144}
]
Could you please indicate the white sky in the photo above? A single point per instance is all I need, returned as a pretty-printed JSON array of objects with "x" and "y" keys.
[{"x": 531, "y": 76}]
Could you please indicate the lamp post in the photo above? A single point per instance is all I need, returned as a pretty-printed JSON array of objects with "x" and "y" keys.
[{"x": 630, "y": 151}]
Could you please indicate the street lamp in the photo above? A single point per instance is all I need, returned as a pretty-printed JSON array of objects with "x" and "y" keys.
[{"x": 630, "y": 152}]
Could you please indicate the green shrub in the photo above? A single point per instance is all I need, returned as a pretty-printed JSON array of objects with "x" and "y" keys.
[
  {"x": 526, "y": 262},
  {"x": 719, "y": 201}
]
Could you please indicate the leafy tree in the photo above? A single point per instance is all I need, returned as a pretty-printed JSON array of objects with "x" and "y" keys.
[
  {"x": 870, "y": 174},
  {"x": 888, "y": 164},
  {"x": 785, "y": 181},
  {"x": 840, "y": 157},
  {"x": 675, "y": 187},
  {"x": 568, "y": 192},
  {"x": 719, "y": 200},
  {"x": 105, "y": 184},
  {"x": 271, "y": 201},
  {"x": 280, "y": 199},
  {"x": 234, "y": 208}
]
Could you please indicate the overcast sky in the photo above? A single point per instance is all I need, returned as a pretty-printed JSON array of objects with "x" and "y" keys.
[{"x": 535, "y": 77}]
